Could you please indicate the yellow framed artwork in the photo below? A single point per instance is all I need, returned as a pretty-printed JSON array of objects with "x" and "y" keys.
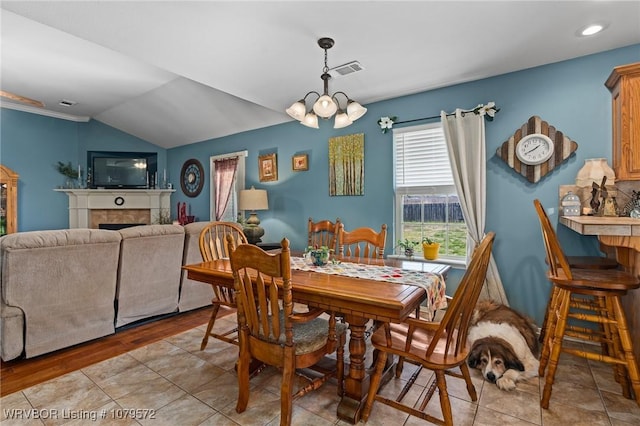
[
  {"x": 300, "y": 162},
  {"x": 268, "y": 167},
  {"x": 346, "y": 165}
]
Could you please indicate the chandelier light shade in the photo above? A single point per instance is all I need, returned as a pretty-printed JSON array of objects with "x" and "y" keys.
[{"x": 326, "y": 105}]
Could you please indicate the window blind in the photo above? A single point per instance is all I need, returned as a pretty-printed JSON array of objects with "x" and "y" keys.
[{"x": 421, "y": 157}]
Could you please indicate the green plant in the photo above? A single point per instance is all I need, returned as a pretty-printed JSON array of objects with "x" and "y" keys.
[
  {"x": 427, "y": 240},
  {"x": 407, "y": 243},
  {"x": 67, "y": 170},
  {"x": 318, "y": 255}
]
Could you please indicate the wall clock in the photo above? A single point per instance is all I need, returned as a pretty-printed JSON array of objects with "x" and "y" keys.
[
  {"x": 535, "y": 149},
  {"x": 192, "y": 178}
]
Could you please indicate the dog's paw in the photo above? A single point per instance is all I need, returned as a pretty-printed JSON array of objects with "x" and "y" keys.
[{"x": 506, "y": 383}]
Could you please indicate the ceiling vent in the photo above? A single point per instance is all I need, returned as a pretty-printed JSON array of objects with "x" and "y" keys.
[
  {"x": 67, "y": 103},
  {"x": 346, "y": 69}
]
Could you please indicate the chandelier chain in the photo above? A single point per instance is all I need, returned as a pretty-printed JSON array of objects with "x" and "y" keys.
[{"x": 326, "y": 67}]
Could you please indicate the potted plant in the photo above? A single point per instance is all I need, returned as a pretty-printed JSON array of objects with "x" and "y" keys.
[
  {"x": 319, "y": 256},
  {"x": 69, "y": 172},
  {"x": 430, "y": 248},
  {"x": 408, "y": 246}
]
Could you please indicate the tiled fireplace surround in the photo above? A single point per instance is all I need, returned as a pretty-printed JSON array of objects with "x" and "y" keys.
[{"x": 89, "y": 208}]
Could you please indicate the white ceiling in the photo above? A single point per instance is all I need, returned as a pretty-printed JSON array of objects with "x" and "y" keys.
[{"x": 179, "y": 72}]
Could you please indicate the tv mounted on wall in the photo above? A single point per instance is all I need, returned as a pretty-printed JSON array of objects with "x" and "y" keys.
[{"x": 126, "y": 170}]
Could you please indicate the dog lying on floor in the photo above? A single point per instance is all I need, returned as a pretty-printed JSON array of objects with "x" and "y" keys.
[{"x": 504, "y": 346}]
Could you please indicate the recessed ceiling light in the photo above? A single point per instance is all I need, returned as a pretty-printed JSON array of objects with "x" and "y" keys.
[{"x": 591, "y": 29}]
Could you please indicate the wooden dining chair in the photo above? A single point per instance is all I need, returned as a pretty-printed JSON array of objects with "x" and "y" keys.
[
  {"x": 575, "y": 262},
  {"x": 604, "y": 288},
  {"x": 323, "y": 233},
  {"x": 213, "y": 246},
  {"x": 437, "y": 346},
  {"x": 362, "y": 242},
  {"x": 271, "y": 332}
]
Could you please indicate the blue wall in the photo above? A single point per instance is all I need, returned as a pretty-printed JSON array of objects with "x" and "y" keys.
[
  {"x": 31, "y": 145},
  {"x": 569, "y": 95}
]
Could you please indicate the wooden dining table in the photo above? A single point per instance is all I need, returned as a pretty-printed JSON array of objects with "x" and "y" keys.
[{"x": 357, "y": 299}]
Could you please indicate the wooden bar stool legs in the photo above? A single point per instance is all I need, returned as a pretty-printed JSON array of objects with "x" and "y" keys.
[{"x": 616, "y": 340}]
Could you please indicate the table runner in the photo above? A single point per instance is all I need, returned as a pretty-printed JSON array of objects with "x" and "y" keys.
[{"x": 433, "y": 284}]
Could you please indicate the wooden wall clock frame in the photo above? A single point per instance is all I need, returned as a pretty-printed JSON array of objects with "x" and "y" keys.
[{"x": 563, "y": 148}]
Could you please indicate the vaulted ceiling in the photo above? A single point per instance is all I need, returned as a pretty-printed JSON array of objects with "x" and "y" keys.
[{"x": 180, "y": 72}]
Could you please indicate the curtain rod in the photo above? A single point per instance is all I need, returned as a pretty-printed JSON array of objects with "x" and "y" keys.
[{"x": 488, "y": 110}]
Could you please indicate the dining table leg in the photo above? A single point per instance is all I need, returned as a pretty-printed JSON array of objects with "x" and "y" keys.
[{"x": 356, "y": 383}]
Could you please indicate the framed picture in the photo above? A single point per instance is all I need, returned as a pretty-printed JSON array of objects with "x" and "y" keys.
[
  {"x": 268, "y": 167},
  {"x": 300, "y": 162}
]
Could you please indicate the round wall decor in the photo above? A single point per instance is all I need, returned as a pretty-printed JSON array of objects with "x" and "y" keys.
[{"x": 192, "y": 177}]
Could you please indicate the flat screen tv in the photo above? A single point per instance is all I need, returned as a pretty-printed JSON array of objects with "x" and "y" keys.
[{"x": 122, "y": 170}]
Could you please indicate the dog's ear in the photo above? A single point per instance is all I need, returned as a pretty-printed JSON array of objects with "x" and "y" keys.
[
  {"x": 513, "y": 364},
  {"x": 474, "y": 356}
]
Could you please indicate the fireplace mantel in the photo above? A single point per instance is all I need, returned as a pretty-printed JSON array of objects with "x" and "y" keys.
[{"x": 82, "y": 201}]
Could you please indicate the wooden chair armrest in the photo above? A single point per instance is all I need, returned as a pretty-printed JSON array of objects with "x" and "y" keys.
[
  {"x": 306, "y": 316},
  {"x": 420, "y": 323}
]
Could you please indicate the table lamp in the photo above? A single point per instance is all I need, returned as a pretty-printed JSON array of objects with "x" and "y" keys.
[{"x": 252, "y": 200}]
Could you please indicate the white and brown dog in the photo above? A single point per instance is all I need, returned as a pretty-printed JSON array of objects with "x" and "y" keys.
[{"x": 504, "y": 346}]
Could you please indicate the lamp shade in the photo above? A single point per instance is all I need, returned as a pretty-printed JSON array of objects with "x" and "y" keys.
[
  {"x": 310, "y": 120},
  {"x": 355, "y": 110},
  {"x": 253, "y": 199},
  {"x": 297, "y": 110},
  {"x": 594, "y": 170},
  {"x": 325, "y": 107},
  {"x": 342, "y": 120}
]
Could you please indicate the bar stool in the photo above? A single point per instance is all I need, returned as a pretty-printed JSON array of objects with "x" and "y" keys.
[
  {"x": 577, "y": 262},
  {"x": 605, "y": 288}
]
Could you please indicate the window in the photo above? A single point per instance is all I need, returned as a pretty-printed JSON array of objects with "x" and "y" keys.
[
  {"x": 426, "y": 202},
  {"x": 231, "y": 213}
]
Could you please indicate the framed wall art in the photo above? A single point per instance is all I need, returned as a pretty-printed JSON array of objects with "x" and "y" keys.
[
  {"x": 300, "y": 162},
  {"x": 346, "y": 165},
  {"x": 268, "y": 167}
]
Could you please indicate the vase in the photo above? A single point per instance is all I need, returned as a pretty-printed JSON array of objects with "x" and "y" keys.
[
  {"x": 430, "y": 251},
  {"x": 594, "y": 170},
  {"x": 408, "y": 251}
]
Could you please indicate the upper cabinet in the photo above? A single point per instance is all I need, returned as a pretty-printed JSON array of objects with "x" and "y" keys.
[
  {"x": 8, "y": 201},
  {"x": 624, "y": 84}
]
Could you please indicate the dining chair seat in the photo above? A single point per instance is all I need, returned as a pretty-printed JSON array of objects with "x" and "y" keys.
[{"x": 602, "y": 290}]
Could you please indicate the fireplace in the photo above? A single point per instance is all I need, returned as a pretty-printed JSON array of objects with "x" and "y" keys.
[{"x": 89, "y": 208}]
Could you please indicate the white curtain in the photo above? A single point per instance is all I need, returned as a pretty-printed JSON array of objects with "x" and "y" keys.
[{"x": 464, "y": 133}]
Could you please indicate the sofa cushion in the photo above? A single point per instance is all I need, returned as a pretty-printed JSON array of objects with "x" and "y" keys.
[
  {"x": 63, "y": 281},
  {"x": 149, "y": 272}
]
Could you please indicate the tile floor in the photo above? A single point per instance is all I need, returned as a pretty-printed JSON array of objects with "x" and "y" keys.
[{"x": 181, "y": 385}]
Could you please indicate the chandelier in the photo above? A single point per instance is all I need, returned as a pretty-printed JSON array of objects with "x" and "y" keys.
[{"x": 326, "y": 105}]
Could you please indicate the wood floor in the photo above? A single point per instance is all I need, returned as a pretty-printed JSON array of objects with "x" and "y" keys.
[{"x": 22, "y": 373}]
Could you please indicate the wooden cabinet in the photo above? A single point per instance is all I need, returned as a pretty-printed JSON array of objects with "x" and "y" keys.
[
  {"x": 624, "y": 84},
  {"x": 8, "y": 200}
]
